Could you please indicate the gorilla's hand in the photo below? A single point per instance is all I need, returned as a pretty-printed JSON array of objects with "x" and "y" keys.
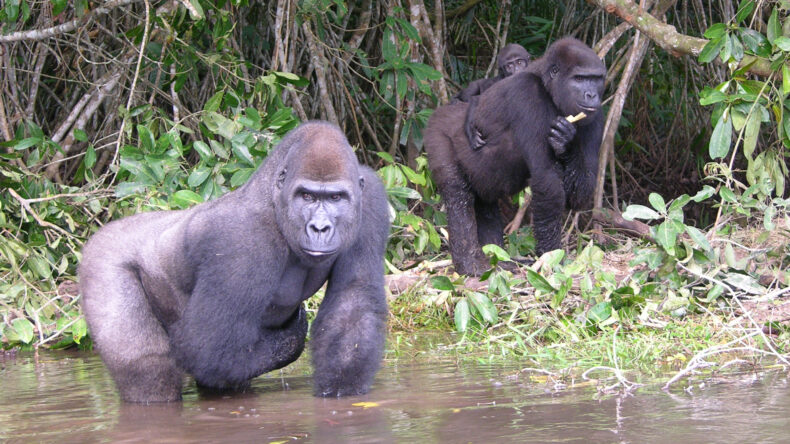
[{"x": 560, "y": 134}]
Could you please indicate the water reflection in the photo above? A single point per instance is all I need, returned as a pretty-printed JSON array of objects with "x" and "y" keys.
[{"x": 69, "y": 397}]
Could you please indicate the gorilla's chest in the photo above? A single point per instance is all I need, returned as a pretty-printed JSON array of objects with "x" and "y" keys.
[{"x": 296, "y": 284}]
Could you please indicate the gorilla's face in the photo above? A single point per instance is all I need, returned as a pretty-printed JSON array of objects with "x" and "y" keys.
[
  {"x": 576, "y": 82},
  {"x": 321, "y": 218},
  {"x": 512, "y": 59}
]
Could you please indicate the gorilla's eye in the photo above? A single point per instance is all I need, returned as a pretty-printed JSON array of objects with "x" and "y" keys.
[
  {"x": 336, "y": 197},
  {"x": 521, "y": 62},
  {"x": 307, "y": 196}
]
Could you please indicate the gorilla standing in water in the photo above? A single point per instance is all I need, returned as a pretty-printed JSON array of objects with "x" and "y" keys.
[
  {"x": 525, "y": 140},
  {"x": 216, "y": 290}
]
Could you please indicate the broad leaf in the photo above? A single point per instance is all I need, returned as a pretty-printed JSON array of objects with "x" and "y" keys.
[
  {"x": 721, "y": 139},
  {"x": 462, "y": 315},
  {"x": 640, "y": 212},
  {"x": 539, "y": 282}
]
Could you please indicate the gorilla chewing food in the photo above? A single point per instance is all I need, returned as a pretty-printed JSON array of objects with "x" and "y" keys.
[
  {"x": 576, "y": 118},
  {"x": 216, "y": 290}
]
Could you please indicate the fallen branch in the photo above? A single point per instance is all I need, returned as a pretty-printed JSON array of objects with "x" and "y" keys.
[{"x": 615, "y": 219}]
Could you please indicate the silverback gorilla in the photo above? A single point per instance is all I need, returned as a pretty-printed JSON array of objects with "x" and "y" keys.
[
  {"x": 526, "y": 140},
  {"x": 216, "y": 290}
]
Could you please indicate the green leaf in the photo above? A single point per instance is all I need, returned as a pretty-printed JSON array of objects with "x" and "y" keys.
[
  {"x": 442, "y": 283},
  {"x": 287, "y": 77},
  {"x": 386, "y": 156},
  {"x": 241, "y": 177},
  {"x": 785, "y": 79},
  {"x": 462, "y": 315},
  {"x": 666, "y": 236},
  {"x": 196, "y": 11},
  {"x": 90, "y": 157},
  {"x": 721, "y": 139},
  {"x": 657, "y": 202},
  {"x": 706, "y": 192},
  {"x": 709, "y": 96},
  {"x": 80, "y": 135},
  {"x": 600, "y": 312},
  {"x": 197, "y": 177},
  {"x": 403, "y": 193},
  {"x": 40, "y": 266},
  {"x": 698, "y": 237},
  {"x": 711, "y": 49},
  {"x": 203, "y": 150},
  {"x": 26, "y": 143},
  {"x": 679, "y": 203},
  {"x": 496, "y": 251},
  {"x": 539, "y": 282},
  {"x": 146, "y": 138},
  {"x": 727, "y": 195},
  {"x": 782, "y": 43},
  {"x": 413, "y": 177},
  {"x": 750, "y": 135},
  {"x": 185, "y": 198},
  {"x": 213, "y": 103},
  {"x": 79, "y": 330},
  {"x": 774, "y": 27},
  {"x": 715, "y": 31},
  {"x": 23, "y": 329},
  {"x": 640, "y": 212},
  {"x": 484, "y": 306},
  {"x": 745, "y": 9},
  {"x": 58, "y": 6}
]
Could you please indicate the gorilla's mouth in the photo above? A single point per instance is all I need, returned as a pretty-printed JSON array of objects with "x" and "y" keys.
[
  {"x": 588, "y": 108},
  {"x": 319, "y": 253}
]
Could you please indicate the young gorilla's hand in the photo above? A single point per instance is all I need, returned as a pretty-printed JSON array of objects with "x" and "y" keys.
[{"x": 560, "y": 134}]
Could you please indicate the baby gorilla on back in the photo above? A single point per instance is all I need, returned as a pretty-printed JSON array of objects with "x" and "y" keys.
[{"x": 216, "y": 290}]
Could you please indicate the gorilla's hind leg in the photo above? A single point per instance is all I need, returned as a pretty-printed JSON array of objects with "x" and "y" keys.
[
  {"x": 131, "y": 341},
  {"x": 490, "y": 228}
]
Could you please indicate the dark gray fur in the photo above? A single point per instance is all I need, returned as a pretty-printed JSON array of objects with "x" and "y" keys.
[{"x": 217, "y": 290}]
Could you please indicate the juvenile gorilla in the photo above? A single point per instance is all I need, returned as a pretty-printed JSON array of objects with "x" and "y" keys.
[
  {"x": 525, "y": 140},
  {"x": 216, "y": 290},
  {"x": 511, "y": 59}
]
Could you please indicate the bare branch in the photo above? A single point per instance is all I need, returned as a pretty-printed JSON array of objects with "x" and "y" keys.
[
  {"x": 41, "y": 34},
  {"x": 666, "y": 36}
]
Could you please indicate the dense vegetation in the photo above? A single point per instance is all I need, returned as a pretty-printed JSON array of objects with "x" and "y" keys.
[{"x": 108, "y": 109}]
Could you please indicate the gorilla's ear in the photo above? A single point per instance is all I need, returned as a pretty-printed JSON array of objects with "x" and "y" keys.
[
  {"x": 554, "y": 70},
  {"x": 361, "y": 183},
  {"x": 281, "y": 178}
]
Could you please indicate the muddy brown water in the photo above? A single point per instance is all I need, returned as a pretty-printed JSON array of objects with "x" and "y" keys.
[{"x": 65, "y": 397}]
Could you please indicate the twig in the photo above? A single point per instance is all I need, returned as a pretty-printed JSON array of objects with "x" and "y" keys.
[
  {"x": 132, "y": 88},
  {"x": 26, "y": 205},
  {"x": 41, "y": 34}
]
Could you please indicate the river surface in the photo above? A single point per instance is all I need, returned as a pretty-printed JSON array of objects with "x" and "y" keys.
[{"x": 65, "y": 397}]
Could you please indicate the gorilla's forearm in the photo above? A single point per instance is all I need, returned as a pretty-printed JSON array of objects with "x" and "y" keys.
[
  {"x": 232, "y": 359},
  {"x": 348, "y": 343}
]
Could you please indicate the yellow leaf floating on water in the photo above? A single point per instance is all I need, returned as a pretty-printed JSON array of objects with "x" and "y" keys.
[
  {"x": 277, "y": 442},
  {"x": 456, "y": 410},
  {"x": 365, "y": 405}
]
